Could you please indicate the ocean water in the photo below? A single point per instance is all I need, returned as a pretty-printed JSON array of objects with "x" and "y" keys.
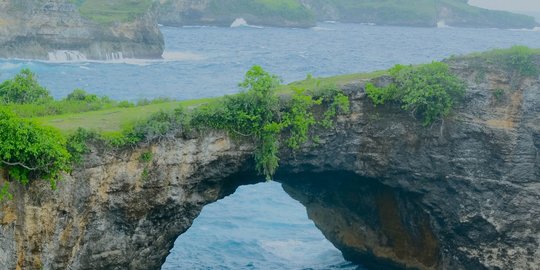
[
  {"x": 210, "y": 61},
  {"x": 260, "y": 226}
]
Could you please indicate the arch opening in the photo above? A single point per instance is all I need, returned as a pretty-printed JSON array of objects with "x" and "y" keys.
[{"x": 258, "y": 227}]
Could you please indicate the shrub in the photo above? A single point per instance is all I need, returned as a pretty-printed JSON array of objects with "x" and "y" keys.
[
  {"x": 81, "y": 95},
  {"x": 428, "y": 91},
  {"x": 125, "y": 104},
  {"x": 146, "y": 157},
  {"x": 29, "y": 151},
  {"x": 77, "y": 143},
  {"x": 299, "y": 117},
  {"x": 517, "y": 59},
  {"x": 251, "y": 114},
  {"x": 258, "y": 115},
  {"x": 23, "y": 89},
  {"x": 158, "y": 125}
]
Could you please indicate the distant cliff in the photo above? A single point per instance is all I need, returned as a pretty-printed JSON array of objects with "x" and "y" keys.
[
  {"x": 417, "y": 13},
  {"x": 280, "y": 13},
  {"x": 71, "y": 30},
  {"x": 305, "y": 13}
]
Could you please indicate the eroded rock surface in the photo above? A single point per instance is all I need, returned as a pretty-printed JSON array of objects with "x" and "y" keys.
[
  {"x": 119, "y": 212},
  {"x": 460, "y": 194},
  {"x": 224, "y": 13},
  {"x": 55, "y": 30}
]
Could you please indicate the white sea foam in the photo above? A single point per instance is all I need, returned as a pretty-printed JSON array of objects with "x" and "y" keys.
[
  {"x": 318, "y": 28},
  {"x": 169, "y": 56},
  {"x": 239, "y": 22},
  {"x": 295, "y": 251},
  {"x": 66, "y": 56},
  {"x": 442, "y": 24},
  {"x": 9, "y": 66},
  {"x": 290, "y": 250},
  {"x": 535, "y": 29},
  {"x": 70, "y": 57},
  {"x": 195, "y": 26}
]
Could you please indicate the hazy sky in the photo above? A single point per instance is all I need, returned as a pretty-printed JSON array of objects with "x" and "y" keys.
[{"x": 517, "y": 5}]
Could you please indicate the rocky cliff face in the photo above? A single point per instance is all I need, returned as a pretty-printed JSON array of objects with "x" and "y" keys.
[
  {"x": 461, "y": 194},
  {"x": 417, "y": 13},
  {"x": 225, "y": 12},
  {"x": 55, "y": 30},
  {"x": 117, "y": 212}
]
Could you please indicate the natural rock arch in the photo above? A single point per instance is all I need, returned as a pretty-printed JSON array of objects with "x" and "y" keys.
[{"x": 462, "y": 194}]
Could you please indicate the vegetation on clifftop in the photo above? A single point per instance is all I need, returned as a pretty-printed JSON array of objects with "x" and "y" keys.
[
  {"x": 30, "y": 151},
  {"x": 519, "y": 61},
  {"x": 270, "y": 115},
  {"x": 108, "y": 12},
  {"x": 420, "y": 13},
  {"x": 223, "y": 12},
  {"x": 260, "y": 115},
  {"x": 427, "y": 91},
  {"x": 305, "y": 13},
  {"x": 286, "y": 9}
]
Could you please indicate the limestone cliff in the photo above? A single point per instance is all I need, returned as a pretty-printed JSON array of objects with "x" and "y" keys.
[
  {"x": 305, "y": 13},
  {"x": 417, "y": 13},
  {"x": 282, "y": 13},
  {"x": 461, "y": 194},
  {"x": 56, "y": 30}
]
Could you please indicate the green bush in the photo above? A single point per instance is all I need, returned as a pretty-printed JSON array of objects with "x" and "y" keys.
[
  {"x": 428, "y": 91},
  {"x": 158, "y": 125},
  {"x": 108, "y": 12},
  {"x": 251, "y": 114},
  {"x": 29, "y": 151},
  {"x": 257, "y": 114},
  {"x": 23, "y": 89},
  {"x": 77, "y": 143},
  {"x": 78, "y": 101},
  {"x": 81, "y": 95},
  {"x": 517, "y": 59},
  {"x": 272, "y": 9},
  {"x": 146, "y": 157}
]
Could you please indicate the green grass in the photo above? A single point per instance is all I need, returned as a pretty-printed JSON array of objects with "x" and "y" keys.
[
  {"x": 422, "y": 13},
  {"x": 388, "y": 12},
  {"x": 114, "y": 119},
  {"x": 287, "y": 9},
  {"x": 318, "y": 83},
  {"x": 480, "y": 17},
  {"x": 515, "y": 50},
  {"x": 110, "y": 11},
  {"x": 517, "y": 60}
]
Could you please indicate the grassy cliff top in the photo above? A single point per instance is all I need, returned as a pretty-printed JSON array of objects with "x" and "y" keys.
[
  {"x": 424, "y": 13},
  {"x": 287, "y": 9},
  {"x": 110, "y": 11},
  {"x": 306, "y": 12},
  {"x": 517, "y": 58},
  {"x": 114, "y": 119}
]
